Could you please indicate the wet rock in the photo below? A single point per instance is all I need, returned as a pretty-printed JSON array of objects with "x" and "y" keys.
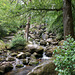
[
  {"x": 42, "y": 42},
  {"x": 28, "y": 54},
  {"x": 2, "y": 59},
  {"x": 11, "y": 59},
  {"x": 25, "y": 61},
  {"x": 5, "y": 67},
  {"x": 44, "y": 69},
  {"x": 31, "y": 48},
  {"x": 33, "y": 60},
  {"x": 14, "y": 54},
  {"x": 19, "y": 65},
  {"x": 21, "y": 55},
  {"x": 40, "y": 50},
  {"x": 49, "y": 53},
  {"x": 34, "y": 48},
  {"x": 49, "y": 40},
  {"x": 0, "y": 52},
  {"x": 37, "y": 55}
]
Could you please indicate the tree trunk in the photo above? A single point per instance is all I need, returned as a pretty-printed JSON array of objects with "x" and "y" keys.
[
  {"x": 27, "y": 29},
  {"x": 67, "y": 19}
]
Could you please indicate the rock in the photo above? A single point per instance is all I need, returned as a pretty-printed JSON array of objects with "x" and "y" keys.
[
  {"x": 40, "y": 50},
  {"x": 54, "y": 43},
  {"x": 49, "y": 53},
  {"x": 11, "y": 59},
  {"x": 21, "y": 55},
  {"x": 19, "y": 65},
  {"x": 5, "y": 67},
  {"x": 50, "y": 50},
  {"x": 28, "y": 54},
  {"x": 1, "y": 52},
  {"x": 25, "y": 62},
  {"x": 33, "y": 60},
  {"x": 42, "y": 42},
  {"x": 2, "y": 59},
  {"x": 31, "y": 48},
  {"x": 52, "y": 37},
  {"x": 32, "y": 36},
  {"x": 44, "y": 69},
  {"x": 37, "y": 40},
  {"x": 49, "y": 40},
  {"x": 34, "y": 48},
  {"x": 14, "y": 54}
]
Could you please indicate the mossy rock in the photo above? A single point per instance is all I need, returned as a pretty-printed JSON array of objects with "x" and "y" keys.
[
  {"x": 28, "y": 54},
  {"x": 19, "y": 65},
  {"x": 5, "y": 67},
  {"x": 45, "y": 69},
  {"x": 2, "y": 45},
  {"x": 11, "y": 59},
  {"x": 35, "y": 62},
  {"x": 2, "y": 59},
  {"x": 25, "y": 62},
  {"x": 14, "y": 54}
]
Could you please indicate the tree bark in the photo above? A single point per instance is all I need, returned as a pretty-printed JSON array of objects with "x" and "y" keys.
[
  {"x": 67, "y": 19},
  {"x": 28, "y": 26},
  {"x": 27, "y": 29}
]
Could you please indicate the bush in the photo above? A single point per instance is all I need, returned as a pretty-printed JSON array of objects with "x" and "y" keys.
[
  {"x": 65, "y": 58},
  {"x": 18, "y": 41}
]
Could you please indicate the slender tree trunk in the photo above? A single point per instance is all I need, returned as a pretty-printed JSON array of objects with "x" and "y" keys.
[
  {"x": 27, "y": 29},
  {"x": 67, "y": 19},
  {"x": 28, "y": 26}
]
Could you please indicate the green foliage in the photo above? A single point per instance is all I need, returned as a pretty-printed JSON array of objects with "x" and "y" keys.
[
  {"x": 18, "y": 41},
  {"x": 65, "y": 58}
]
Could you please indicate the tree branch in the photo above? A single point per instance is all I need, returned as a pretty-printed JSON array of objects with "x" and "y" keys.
[{"x": 45, "y": 9}]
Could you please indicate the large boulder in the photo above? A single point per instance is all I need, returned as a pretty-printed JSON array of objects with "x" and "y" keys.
[
  {"x": 47, "y": 68},
  {"x": 33, "y": 60},
  {"x": 5, "y": 67},
  {"x": 35, "y": 48}
]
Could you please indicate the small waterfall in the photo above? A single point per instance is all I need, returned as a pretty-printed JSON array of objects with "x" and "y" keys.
[{"x": 45, "y": 57}]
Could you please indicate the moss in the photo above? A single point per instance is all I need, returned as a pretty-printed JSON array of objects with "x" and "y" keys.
[
  {"x": 11, "y": 59},
  {"x": 2, "y": 45},
  {"x": 14, "y": 54},
  {"x": 19, "y": 65},
  {"x": 49, "y": 69},
  {"x": 35, "y": 62}
]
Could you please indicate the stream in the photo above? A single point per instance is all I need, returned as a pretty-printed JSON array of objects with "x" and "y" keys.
[{"x": 40, "y": 38}]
